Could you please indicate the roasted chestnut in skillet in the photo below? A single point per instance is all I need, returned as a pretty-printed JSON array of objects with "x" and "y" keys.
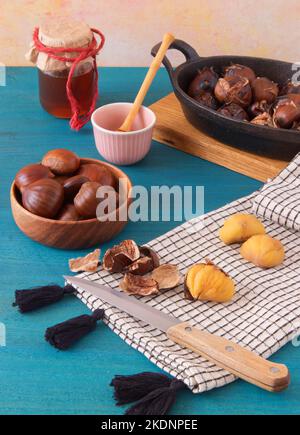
[
  {"x": 208, "y": 100},
  {"x": 234, "y": 111},
  {"x": 264, "y": 89},
  {"x": 43, "y": 197},
  {"x": 234, "y": 90},
  {"x": 258, "y": 108},
  {"x": 237, "y": 70},
  {"x": 286, "y": 113},
  {"x": 205, "y": 80},
  {"x": 263, "y": 119},
  {"x": 290, "y": 88}
]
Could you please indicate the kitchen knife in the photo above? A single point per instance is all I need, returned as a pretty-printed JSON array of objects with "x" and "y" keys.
[{"x": 224, "y": 353}]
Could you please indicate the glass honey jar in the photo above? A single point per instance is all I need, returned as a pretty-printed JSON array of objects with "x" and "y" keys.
[{"x": 65, "y": 52}]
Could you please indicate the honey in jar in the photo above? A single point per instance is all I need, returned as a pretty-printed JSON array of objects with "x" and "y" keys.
[{"x": 64, "y": 52}]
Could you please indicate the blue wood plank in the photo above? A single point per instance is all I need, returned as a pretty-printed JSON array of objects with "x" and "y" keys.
[{"x": 37, "y": 379}]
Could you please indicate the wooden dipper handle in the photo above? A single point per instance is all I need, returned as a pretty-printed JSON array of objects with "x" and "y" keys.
[{"x": 167, "y": 41}]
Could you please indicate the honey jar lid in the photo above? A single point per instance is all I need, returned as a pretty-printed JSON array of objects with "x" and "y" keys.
[{"x": 59, "y": 32}]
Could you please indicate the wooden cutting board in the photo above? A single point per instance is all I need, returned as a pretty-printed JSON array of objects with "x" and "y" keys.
[{"x": 174, "y": 130}]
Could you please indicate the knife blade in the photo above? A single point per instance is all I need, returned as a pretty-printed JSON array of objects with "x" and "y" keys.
[{"x": 227, "y": 354}]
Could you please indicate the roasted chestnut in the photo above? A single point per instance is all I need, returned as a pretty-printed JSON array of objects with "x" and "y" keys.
[
  {"x": 237, "y": 70},
  {"x": 97, "y": 173},
  {"x": 31, "y": 173},
  {"x": 208, "y": 100},
  {"x": 68, "y": 213},
  {"x": 290, "y": 88},
  {"x": 61, "y": 161},
  {"x": 258, "y": 108},
  {"x": 286, "y": 113},
  {"x": 263, "y": 119},
  {"x": 234, "y": 90},
  {"x": 86, "y": 200},
  {"x": 72, "y": 186},
  {"x": 205, "y": 80},
  {"x": 43, "y": 197},
  {"x": 234, "y": 111},
  {"x": 264, "y": 89}
]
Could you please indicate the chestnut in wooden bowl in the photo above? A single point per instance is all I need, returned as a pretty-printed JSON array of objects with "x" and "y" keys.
[{"x": 68, "y": 234}]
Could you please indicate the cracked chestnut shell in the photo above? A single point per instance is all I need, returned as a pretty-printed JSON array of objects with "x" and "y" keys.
[
  {"x": 205, "y": 80},
  {"x": 237, "y": 70},
  {"x": 139, "y": 285},
  {"x": 286, "y": 113},
  {"x": 43, "y": 197},
  {"x": 263, "y": 119},
  {"x": 117, "y": 258},
  {"x": 234, "y": 111},
  {"x": 265, "y": 89},
  {"x": 148, "y": 261},
  {"x": 234, "y": 90}
]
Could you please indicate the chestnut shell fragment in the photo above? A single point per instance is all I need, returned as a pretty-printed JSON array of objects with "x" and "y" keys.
[
  {"x": 117, "y": 258},
  {"x": 139, "y": 285},
  {"x": 146, "y": 263}
]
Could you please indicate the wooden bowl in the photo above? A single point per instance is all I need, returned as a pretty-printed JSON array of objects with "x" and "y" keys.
[{"x": 68, "y": 234}]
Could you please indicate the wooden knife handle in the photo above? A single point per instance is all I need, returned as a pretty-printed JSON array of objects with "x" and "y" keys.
[{"x": 230, "y": 356}]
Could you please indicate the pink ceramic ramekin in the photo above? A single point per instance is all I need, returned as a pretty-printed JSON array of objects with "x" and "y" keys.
[{"x": 119, "y": 147}]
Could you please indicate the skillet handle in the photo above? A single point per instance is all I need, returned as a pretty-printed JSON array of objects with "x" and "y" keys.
[{"x": 189, "y": 53}]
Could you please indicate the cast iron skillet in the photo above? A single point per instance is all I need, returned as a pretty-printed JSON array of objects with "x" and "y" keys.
[{"x": 273, "y": 142}]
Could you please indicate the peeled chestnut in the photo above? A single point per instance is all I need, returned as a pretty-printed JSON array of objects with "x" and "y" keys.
[
  {"x": 264, "y": 89},
  {"x": 86, "y": 200},
  {"x": 237, "y": 70},
  {"x": 68, "y": 213},
  {"x": 97, "y": 173},
  {"x": 72, "y": 186},
  {"x": 234, "y": 111},
  {"x": 31, "y": 173},
  {"x": 208, "y": 100},
  {"x": 286, "y": 113},
  {"x": 205, "y": 80},
  {"x": 43, "y": 197},
  {"x": 61, "y": 161},
  {"x": 234, "y": 90}
]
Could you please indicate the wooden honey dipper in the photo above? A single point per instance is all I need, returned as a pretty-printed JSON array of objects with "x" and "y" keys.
[{"x": 154, "y": 67}]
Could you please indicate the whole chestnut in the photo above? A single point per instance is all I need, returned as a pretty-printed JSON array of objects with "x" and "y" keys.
[
  {"x": 68, "y": 213},
  {"x": 205, "y": 80},
  {"x": 31, "y": 173},
  {"x": 207, "y": 100},
  {"x": 264, "y": 89},
  {"x": 234, "y": 111},
  {"x": 97, "y": 173},
  {"x": 237, "y": 70},
  {"x": 43, "y": 197},
  {"x": 72, "y": 186},
  {"x": 86, "y": 200},
  {"x": 234, "y": 90},
  {"x": 286, "y": 113},
  {"x": 61, "y": 161}
]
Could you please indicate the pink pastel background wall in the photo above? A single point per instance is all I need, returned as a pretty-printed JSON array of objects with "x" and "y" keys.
[{"x": 268, "y": 28}]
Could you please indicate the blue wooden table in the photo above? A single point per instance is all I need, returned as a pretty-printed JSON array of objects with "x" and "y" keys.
[{"x": 36, "y": 378}]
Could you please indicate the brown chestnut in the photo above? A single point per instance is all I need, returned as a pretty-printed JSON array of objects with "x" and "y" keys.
[
  {"x": 68, "y": 213},
  {"x": 234, "y": 90},
  {"x": 258, "y": 108},
  {"x": 290, "y": 88},
  {"x": 97, "y": 173},
  {"x": 207, "y": 100},
  {"x": 205, "y": 80},
  {"x": 31, "y": 173},
  {"x": 237, "y": 70},
  {"x": 86, "y": 200},
  {"x": 61, "y": 161},
  {"x": 264, "y": 89},
  {"x": 234, "y": 111},
  {"x": 43, "y": 197},
  {"x": 286, "y": 113},
  {"x": 72, "y": 186}
]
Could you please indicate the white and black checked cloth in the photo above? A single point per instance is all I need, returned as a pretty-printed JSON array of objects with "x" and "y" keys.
[{"x": 265, "y": 312}]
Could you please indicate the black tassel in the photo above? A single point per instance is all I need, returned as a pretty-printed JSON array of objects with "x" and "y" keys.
[
  {"x": 64, "y": 334},
  {"x": 31, "y": 299},
  {"x": 154, "y": 393}
]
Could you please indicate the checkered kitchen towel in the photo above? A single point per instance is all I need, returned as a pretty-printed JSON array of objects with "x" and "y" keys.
[{"x": 264, "y": 313}]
